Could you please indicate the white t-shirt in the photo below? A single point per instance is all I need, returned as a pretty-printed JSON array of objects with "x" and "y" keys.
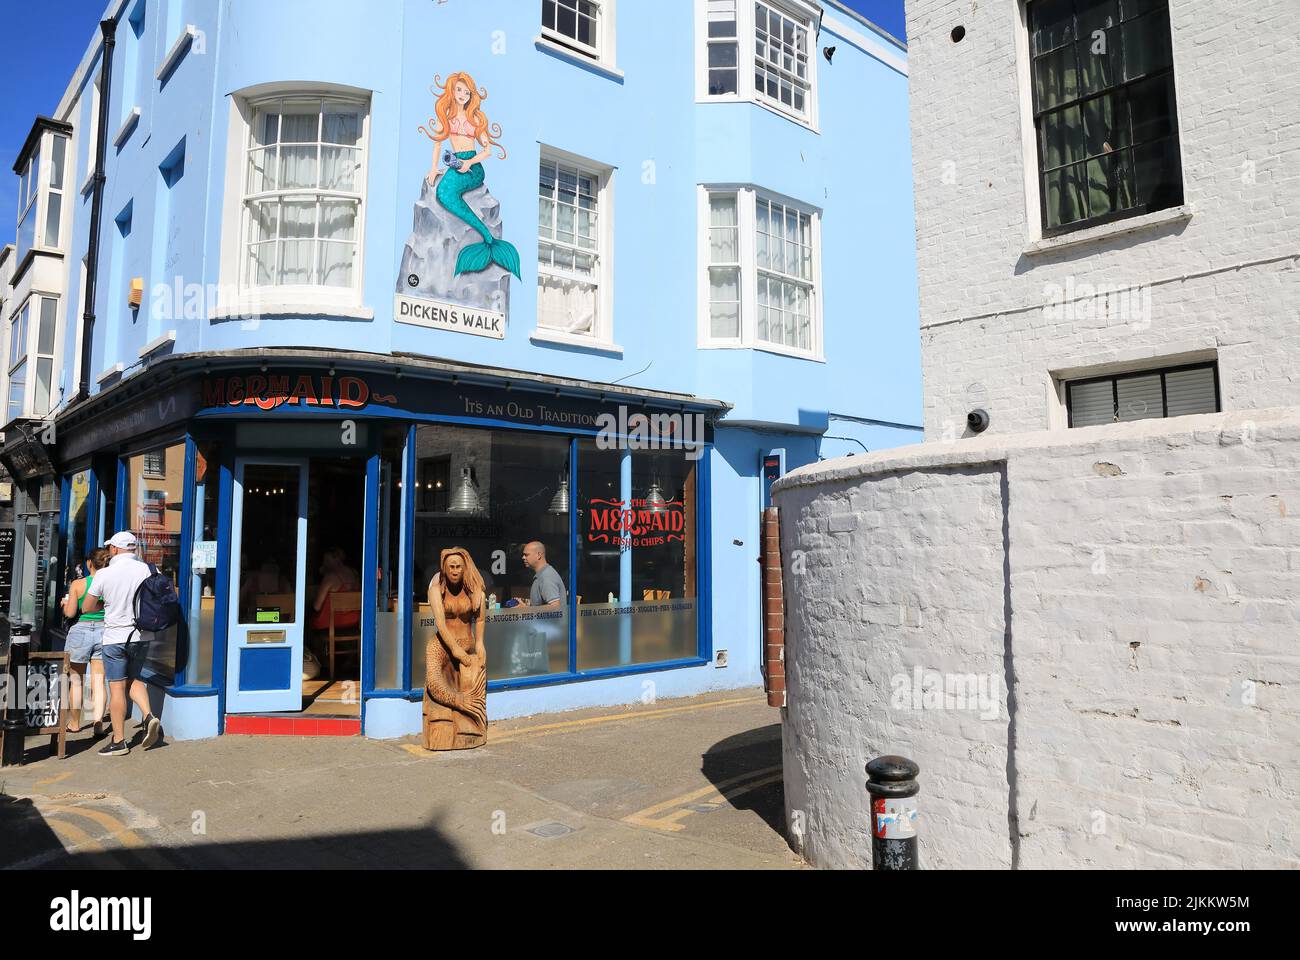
[{"x": 116, "y": 585}]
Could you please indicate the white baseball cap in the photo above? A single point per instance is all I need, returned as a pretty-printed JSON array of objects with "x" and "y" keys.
[{"x": 123, "y": 540}]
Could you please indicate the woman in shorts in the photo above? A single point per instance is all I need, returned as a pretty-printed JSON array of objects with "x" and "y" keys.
[{"x": 85, "y": 644}]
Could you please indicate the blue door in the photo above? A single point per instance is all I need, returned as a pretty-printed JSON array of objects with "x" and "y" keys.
[{"x": 268, "y": 574}]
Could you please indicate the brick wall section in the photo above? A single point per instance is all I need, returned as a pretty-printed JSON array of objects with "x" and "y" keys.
[
  {"x": 1151, "y": 571},
  {"x": 1226, "y": 280},
  {"x": 773, "y": 609}
]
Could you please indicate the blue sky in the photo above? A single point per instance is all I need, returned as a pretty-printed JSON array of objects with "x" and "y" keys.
[
  {"x": 42, "y": 43},
  {"x": 40, "y": 47}
]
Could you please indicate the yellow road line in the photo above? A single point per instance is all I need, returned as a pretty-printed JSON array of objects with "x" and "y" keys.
[
  {"x": 72, "y": 837},
  {"x": 117, "y": 830},
  {"x": 54, "y": 779},
  {"x": 725, "y": 790},
  {"x": 544, "y": 729}
]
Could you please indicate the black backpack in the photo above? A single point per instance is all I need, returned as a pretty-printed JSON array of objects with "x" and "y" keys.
[{"x": 156, "y": 605}]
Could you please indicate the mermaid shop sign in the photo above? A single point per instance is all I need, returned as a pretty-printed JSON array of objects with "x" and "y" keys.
[{"x": 456, "y": 267}]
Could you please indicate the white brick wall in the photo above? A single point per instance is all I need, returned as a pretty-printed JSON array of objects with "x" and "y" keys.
[
  {"x": 1225, "y": 280},
  {"x": 1152, "y": 572}
]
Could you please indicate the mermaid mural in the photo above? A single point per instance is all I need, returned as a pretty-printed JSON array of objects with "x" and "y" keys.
[{"x": 459, "y": 118}]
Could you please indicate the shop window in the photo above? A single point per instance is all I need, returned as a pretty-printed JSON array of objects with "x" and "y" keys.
[
  {"x": 154, "y": 516},
  {"x": 78, "y": 521},
  {"x": 203, "y": 558},
  {"x": 637, "y": 545},
  {"x": 433, "y": 484},
  {"x": 509, "y": 490}
]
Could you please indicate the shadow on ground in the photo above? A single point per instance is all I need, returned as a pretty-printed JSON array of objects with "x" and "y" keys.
[
  {"x": 747, "y": 757},
  {"x": 31, "y": 842}
]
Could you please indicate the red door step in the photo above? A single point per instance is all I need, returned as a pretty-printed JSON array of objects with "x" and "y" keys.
[{"x": 264, "y": 726}]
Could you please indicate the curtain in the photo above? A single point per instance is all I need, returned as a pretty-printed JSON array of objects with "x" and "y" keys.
[{"x": 566, "y": 305}]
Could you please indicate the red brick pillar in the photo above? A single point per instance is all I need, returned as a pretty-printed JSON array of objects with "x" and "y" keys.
[{"x": 773, "y": 609}]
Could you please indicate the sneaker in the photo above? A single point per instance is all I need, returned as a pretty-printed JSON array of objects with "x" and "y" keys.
[
  {"x": 152, "y": 731},
  {"x": 110, "y": 749}
]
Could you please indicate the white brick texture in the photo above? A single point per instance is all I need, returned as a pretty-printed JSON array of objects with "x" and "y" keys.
[
  {"x": 1151, "y": 571},
  {"x": 1225, "y": 281}
]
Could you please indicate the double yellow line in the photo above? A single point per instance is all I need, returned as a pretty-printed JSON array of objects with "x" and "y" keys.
[
  {"x": 668, "y": 814},
  {"x": 75, "y": 839}
]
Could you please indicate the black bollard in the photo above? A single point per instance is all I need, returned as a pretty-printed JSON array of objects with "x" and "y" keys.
[
  {"x": 15, "y": 705},
  {"x": 891, "y": 782}
]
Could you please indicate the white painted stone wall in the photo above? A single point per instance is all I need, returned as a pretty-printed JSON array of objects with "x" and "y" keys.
[
  {"x": 1224, "y": 282},
  {"x": 1152, "y": 573}
]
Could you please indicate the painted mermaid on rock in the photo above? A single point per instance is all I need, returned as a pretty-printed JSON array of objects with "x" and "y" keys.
[{"x": 459, "y": 120}]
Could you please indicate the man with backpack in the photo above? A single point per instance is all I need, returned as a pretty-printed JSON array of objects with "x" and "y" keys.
[{"x": 136, "y": 600}]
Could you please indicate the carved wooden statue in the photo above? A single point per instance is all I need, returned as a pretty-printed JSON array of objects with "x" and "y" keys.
[{"x": 455, "y": 685}]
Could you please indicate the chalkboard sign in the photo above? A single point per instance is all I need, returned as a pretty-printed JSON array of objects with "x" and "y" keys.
[{"x": 46, "y": 698}]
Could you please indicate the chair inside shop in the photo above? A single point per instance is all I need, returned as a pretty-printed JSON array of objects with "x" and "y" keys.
[{"x": 343, "y": 636}]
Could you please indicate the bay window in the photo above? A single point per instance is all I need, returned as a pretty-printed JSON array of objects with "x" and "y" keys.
[
  {"x": 303, "y": 195},
  {"x": 40, "y": 192},
  {"x": 759, "y": 50},
  {"x": 760, "y": 284},
  {"x": 43, "y": 312},
  {"x": 28, "y": 192}
]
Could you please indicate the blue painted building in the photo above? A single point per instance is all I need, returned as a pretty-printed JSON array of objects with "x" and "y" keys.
[{"x": 373, "y": 280}]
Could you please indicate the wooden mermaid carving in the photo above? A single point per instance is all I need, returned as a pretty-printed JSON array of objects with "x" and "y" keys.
[{"x": 455, "y": 686}]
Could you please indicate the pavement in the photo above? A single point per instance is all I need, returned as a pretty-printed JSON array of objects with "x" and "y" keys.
[{"x": 689, "y": 783}]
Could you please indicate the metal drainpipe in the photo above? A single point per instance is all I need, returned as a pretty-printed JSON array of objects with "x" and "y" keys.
[{"x": 108, "y": 28}]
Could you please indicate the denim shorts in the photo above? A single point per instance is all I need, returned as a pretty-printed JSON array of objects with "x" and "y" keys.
[
  {"x": 122, "y": 661},
  {"x": 84, "y": 641}
]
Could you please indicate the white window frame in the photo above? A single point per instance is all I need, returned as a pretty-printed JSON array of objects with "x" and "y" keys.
[
  {"x": 807, "y": 13},
  {"x": 602, "y": 333},
  {"x": 236, "y": 296},
  {"x": 603, "y": 53},
  {"x": 29, "y": 200},
  {"x": 30, "y": 357},
  {"x": 50, "y": 190},
  {"x": 747, "y": 197}
]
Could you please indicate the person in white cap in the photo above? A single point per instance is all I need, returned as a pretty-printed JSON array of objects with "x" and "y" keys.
[{"x": 124, "y": 647}]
